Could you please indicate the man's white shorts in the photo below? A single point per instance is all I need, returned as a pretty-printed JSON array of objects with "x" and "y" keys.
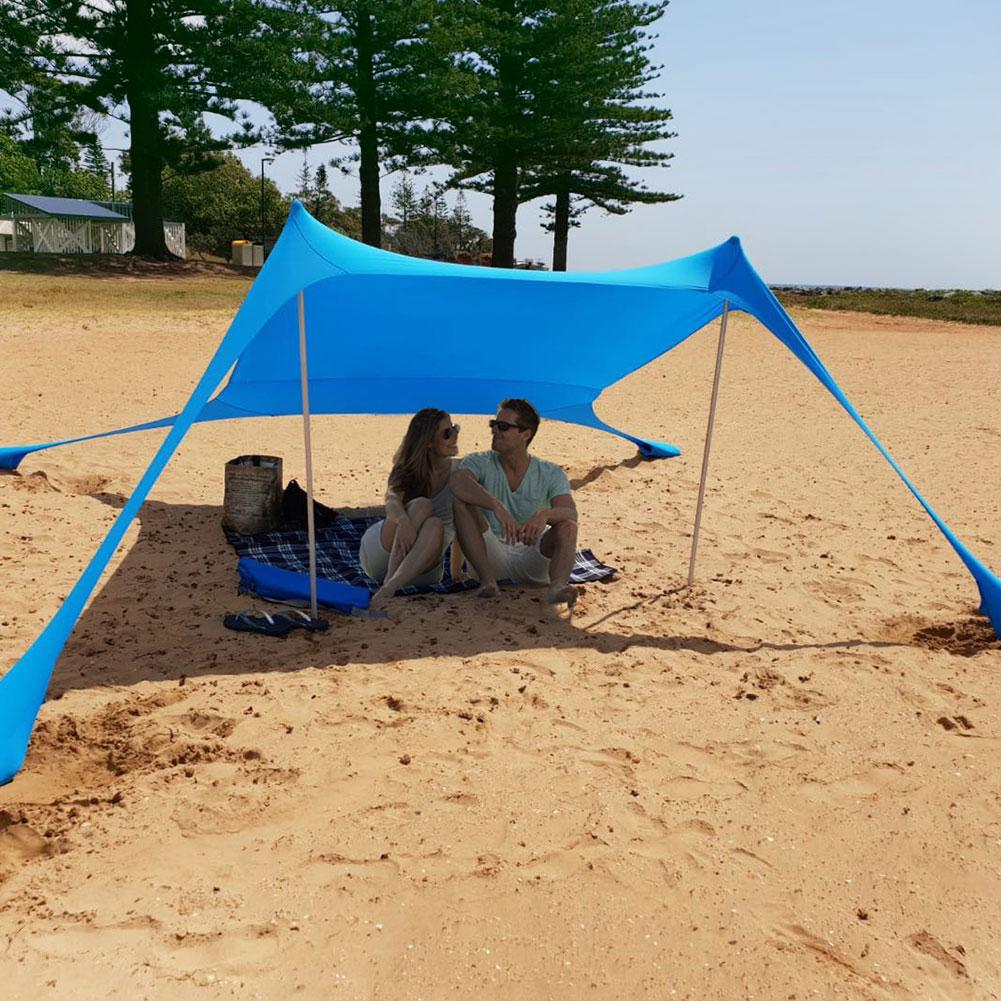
[{"x": 516, "y": 561}]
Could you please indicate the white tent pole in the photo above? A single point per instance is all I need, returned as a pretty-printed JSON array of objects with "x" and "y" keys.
[
  {"x": 310, "y": 523},
  {"x": 709, "y": 441}
]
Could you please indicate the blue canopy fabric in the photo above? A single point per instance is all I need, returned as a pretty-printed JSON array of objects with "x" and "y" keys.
[{"x": 389, "y": 334}]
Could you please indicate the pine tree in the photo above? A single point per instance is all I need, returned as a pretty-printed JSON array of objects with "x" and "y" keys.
[
  {"x": 94, "y": 161},
  {"x": 434, "y": 209},
  {"x": 553, "y": 102},
  {"x": 462, "y": 223},
  {"x": 367, "y": 77},
  {"x": 313, "y": 190},
  {"x": 492, "y": 127},
  {"x": 162, "y": 65},
  {"x": 404, "y": 200},
  {"x": 598, "y": 115},
  {"x": 304, "y": 189}
]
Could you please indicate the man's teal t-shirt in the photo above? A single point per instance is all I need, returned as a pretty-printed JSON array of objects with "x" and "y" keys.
[{"x": 543, "y": 481}]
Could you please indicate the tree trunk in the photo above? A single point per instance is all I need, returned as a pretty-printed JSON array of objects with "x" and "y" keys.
[
  {"x": 505, "y": 213},
  {"x": 368, "y": 134},
  {"x": 507, "y": 157},
  {"x": 146, "y": 155},
  {"x": 561, "y": 225}
]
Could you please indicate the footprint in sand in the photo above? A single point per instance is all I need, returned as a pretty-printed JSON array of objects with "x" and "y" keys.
[
  {"x": 19, "y": 842},
  {"x": 964, "y": 638}
]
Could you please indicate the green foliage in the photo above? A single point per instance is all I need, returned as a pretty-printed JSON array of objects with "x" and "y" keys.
[
  {"x": 554, "y": 103},
  {"x": 161, "y": 64},
  {"x": 21, "y": 174},
  {"x": 313, "y": 190},
  {"x": 599, "y": 114},
  {"x": 48, "y": 147},
  {"x": 524, "y": 98},
  {"x": 223, "y": 204},
  {"x": 954, "y": 305},
  {"x": 18, "y": 171},
  {"x": 426, "y": 227},
  {"x": 366, "y": 73}
]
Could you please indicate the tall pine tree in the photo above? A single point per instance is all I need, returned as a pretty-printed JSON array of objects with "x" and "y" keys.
[
  {"x": 492, "y": 126},
  {"x": 553, "y": 103},
  {"x": 367, "y": 73},
  {"x": 598, "y": 114},
  {"x": 159, "y": 65}
]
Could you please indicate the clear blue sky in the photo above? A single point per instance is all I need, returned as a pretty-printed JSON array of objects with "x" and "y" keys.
[{"x": 855, "y": 143}]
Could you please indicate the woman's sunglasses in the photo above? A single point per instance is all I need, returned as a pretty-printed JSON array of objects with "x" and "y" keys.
[
  {"x": 451, "y": 432},
  {"x": 505, "y": 426}
]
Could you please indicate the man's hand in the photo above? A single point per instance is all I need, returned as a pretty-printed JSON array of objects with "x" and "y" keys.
[
  {"x": 405, "y": 535},
  {"x": 510, "y": 529},
  {"x": 530, "y": 532}
]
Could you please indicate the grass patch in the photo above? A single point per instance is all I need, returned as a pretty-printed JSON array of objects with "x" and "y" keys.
[
  {"x": 104, "y": 294},
  {"x": 952, "y": 306}
]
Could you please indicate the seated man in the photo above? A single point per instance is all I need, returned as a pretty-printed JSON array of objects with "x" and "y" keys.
[{"x": 514, "y": 515}]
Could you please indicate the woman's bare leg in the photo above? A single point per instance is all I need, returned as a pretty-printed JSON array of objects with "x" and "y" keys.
[
  {"x": 418, "y": 511},
  {"x": 456, "y": 560},
  {"x": 424, "y": 555}
]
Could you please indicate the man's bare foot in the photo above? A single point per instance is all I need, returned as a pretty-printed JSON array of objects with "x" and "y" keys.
[
  {"x": 561, "y": 595},
  {"x": 488, "y": 591}
]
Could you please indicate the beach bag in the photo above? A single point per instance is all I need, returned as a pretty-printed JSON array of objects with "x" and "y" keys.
[{"x": 294, "y": 509}]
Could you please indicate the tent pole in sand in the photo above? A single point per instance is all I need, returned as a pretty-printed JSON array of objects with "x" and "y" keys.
[
  {"x": 310, "y": 522},
  {"x": 709, "y": 441}
]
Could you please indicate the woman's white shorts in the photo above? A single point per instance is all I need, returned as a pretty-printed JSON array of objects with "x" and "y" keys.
[{"x": 374, "y": 559}]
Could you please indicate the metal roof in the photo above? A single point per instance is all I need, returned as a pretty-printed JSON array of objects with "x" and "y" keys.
[{"x": 47, "y": 205}]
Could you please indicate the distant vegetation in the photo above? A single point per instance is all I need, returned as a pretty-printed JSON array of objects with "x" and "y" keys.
[
  {"x": 957, "y": 306},
  {"x": 519, "y": 99}
]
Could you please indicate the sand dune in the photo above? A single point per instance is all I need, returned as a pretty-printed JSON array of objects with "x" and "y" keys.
[{"x": 782, "y": 783}]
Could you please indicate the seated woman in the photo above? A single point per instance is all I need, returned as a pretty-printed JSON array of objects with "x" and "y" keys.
[{"x": 406, "y": 547}]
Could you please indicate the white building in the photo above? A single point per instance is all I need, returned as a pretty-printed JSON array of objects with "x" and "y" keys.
[{"x": 41, "y": 224}]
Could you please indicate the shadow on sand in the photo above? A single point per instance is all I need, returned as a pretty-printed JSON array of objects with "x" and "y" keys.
[{"x": 159, "y": 616}]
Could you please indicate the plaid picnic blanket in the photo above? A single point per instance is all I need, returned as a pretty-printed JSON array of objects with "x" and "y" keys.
[{"x": 337, "y": 557}]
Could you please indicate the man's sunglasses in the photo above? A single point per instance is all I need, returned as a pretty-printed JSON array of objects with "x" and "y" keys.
[
  {"x": 451, "y": 432},
  {"x": 506, "y": 426}
]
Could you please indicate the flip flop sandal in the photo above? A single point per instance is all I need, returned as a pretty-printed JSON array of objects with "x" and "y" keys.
[
  {"x": 258, "y": 622},
  {"x": 298, "y": 619}
]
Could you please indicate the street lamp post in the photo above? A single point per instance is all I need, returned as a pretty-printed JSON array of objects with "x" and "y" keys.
[
  {"x": 264, "y": 160},
  {"x": 114, "y": 149}
]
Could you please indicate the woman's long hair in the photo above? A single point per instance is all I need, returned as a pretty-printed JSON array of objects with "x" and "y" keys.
[{"x": 411, "y": 475}]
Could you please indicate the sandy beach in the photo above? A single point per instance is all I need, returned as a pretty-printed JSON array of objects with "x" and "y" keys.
[{"x": 782, "y": 783}]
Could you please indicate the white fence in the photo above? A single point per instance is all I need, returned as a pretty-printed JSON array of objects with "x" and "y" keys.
[{"x": 66, "y": 235}]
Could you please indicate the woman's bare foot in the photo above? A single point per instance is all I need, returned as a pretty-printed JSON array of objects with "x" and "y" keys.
[
  {"x": 381, "y": 597},
  {"x": 488, "y": 591},
  {"x": 561, "y": 595}
]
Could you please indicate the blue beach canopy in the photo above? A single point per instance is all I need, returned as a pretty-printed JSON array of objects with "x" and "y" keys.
[{"x": 370, "y": 316}]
